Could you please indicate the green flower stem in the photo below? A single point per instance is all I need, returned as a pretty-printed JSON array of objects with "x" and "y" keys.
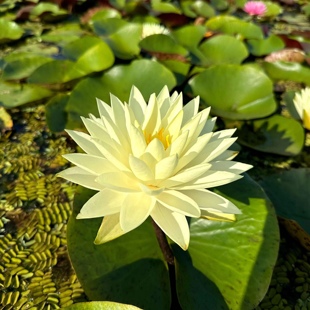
[{"x": 163, "y": 244}]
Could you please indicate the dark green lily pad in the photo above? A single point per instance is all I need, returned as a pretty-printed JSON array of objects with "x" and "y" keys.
[
  {"x": 291, "y": 71},
  {"x": 14, "y": 95},
  {"x": 232, "y": 259},
  {"x": 194, "y": 9},
  {"x": 100, "y": 305},
  {"x": 118, "y": 81},
  {"x": 232, "y": 25},
  {"x": 161, "y": 43},
  {"x": 215, "y": 50},
  {"x": 234, "y": 91},
  {"x": 129, "y": 269},
  {"x": 289, "y": 192},
  {"x": 260, "y": 47},
  {"x": 9, "y": 31},
  {"x": 48, "y": 12},
  {"x": 276, "y": 134},
  {"x": 23, "y": 65},
  {"x": 104, "y": 14},
  {"x": 164, "y": 7}
]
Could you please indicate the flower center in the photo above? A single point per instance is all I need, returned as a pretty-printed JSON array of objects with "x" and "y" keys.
[{"x": 165, "y": 139}]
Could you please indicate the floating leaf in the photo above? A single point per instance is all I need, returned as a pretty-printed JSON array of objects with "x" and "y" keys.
[
  {"x": 232, "y": 25},
  {"x": 276, "y": 134},
  {"x": 273, "y": 9},
  {"x": 203, "y": 9},
  {"x": 290, "y": 71},
  {"x": 287, "y": 54},
  {"x": 289, "y": 192},
  {"x": 189, "y": 36},
  {"x": 259, "y": 47},
  {"x": 48, "y": 12},
  {"x": 149, "y": 76},
  {"x": 9, "y": 31},
  {"x": 235, "y": 92},
  {"x": 215, "y": 50},
  {"x": 14, "y": 95},
  {"x": 100, "y": 305},
  {"x": 164, "y": 7},
  {"x": 116, "y": 272},
  {"x": 232, "y": 259}
]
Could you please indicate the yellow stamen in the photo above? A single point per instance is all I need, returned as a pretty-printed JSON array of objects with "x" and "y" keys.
[{"x": 165, "y": 140}]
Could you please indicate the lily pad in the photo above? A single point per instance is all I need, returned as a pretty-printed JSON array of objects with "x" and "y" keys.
[
  {"x": 215, "y": 50},
  {"x": 149, "y": 76},
  {"x": 9, "y": 31},
  {"x": 100, "y": 305},
  {"x": 235, "y": 92},
  {"x": 164, "y": 7},
  {"x": 260, "y": 47},
  {"x": 291, "y": 71},
  {"x": 276, "y": 134},
  {"x": 129, "y": 269},
  {"x": 48, "y": 12},
  {"x": 14, "y": 95},
  {"x": 289, "y": 192},
  {"x": 189, "y": 36},
  {"x": 232, "y": 259},
  {"x": 232, "y": 25}
]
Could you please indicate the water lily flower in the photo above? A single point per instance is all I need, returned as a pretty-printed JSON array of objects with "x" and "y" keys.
[
  {"x": 255, "y": 8},
  {"x": 302, "y": 105},
  {"x": 149, "y": 29},
  {"x": 152, "y": 160}
]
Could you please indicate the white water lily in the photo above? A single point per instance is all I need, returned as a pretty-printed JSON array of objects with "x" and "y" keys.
[
  {"x": 302, "y": 105},
  {"x": 156, "y": 160},
  {"x": 149, "y": 29}
]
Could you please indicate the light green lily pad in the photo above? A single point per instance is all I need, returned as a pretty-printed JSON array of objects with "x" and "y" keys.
[
  {"x": 276, "y": 134},
  {"x": 149, "y": 76},
  {"x": 189, "y": 36},
  {"x": 14, "y": 95},
  {"x": 232, "y": 259},
  {"x": 100, "y": 305},
  {"x": 289, "y": 192},
  {"x": 260, "y": 47},
  {"x": 48, "y": 12},
  {"x": 164, "y": 7},
  {"x": 234, "y": 91},
  {"x": 9, "y": 31},
  {"x": 215, "y": 50},
  {"x": 291, "y": 71},
  {"x": 232, "y": 25}
]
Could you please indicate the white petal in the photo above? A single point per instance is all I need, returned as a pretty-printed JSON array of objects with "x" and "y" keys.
[
  {"x": 85, "y": 142},
  {"x": 137, "y": 104},
  {"x": 190, "y": 110},
  {"x": 230, "y": 166},
  {"x": 137, "y": 140},
  {"x": 173, "y": 224},
  {"x": 226, "y": 133},
  {"x": 118, "y": 180},
  {"x": 94, "y": 164},
  {"x": 178, "y": 202},
  {"x": 140, "y": 169},
  {"x": 165, "y": 168},
  {"x": 209, "y": 126},
  {"x": 106, "y": 202},
  {"x": 152, "y": 121},
  {"x": 135, "y": 210},
  {"x": 177, "y": 146},
  {"x": 151, "y": 190},
  {"x": 156, "y": 149},
  {"x": 163, "y": 100},
  {"x": 212, "y": 202},
  {"x": 82, "y": 177},
  {"x": 105, "y": 110},
  {"x": 110, "y": 229}
]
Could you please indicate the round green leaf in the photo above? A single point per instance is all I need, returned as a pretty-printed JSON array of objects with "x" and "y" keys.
[
  {"x": 23, "y": 66},
  {"x": 189, "y": 36},
  {"x": 164, "y": 7},
  {"x": 104, "y": 14},
  {"x": 276, "y": 134},
  {"x": 129, "y": 269},
  {"x": 235, "y": 92},
  {"x": 234, "y": 259},
  {"x": 260, "y": 47},
  {"x": 56, "y": 116},
  {"x": 203, "y": 9},
  {"x": 162, "y": 44},
  {"x": 291, "y": 71},
  {"x": 9, "y": 31},
  {"x": 215, "y": 50},
  {"x": 48, "y": 12},
  {"x": 149, "y": 76},
  {"x": 14, "y": 95},
  {"x": 232, "y": 25},
  {"x": 100, "y": 305},
  {"x": 64, "y": 34},
  {"x": 289, "y": 192}
]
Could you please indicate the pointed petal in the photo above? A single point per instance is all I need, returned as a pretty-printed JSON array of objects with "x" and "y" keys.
[
  {"x": 212, "y": 202},
  {"x": 110, "y": 229},
  {"x": 135, "y": 210},
  {"x": 93, "y": 164},
  {"x": 152, "y": 120},
  {"x": 156, "y": 149},
  {"x": 165, "y": 168},
  {"x": 137, "y": 104},
  {"x": 173, "y": 224},
  {"x": 137, "y": 140},
  {"x": 190, "y": 110},
  {"x": 104, "y": 109},
  {"x": 140, "y": 169},
  {"x": 177, "y": 146},
  {"x": 82, "y": 177},
  {"x": 106, "y": 202},
  {"x": 231, "y": 166},
  {"x": 178, "y": 202}
]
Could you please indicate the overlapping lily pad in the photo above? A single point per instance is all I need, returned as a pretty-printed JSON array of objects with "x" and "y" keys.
[
  {"x": 234, "y": 91},
  {"x": 9, "y": 31},
  {"x": 259, "y": 47}
]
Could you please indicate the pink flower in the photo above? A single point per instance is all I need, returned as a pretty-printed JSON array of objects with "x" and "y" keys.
[{"x": 255, "y": 8}]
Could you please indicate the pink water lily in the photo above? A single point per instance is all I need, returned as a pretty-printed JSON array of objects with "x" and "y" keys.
[
  {"x": 255, "y": 8},
  {"x": 152, "y": 160}
]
